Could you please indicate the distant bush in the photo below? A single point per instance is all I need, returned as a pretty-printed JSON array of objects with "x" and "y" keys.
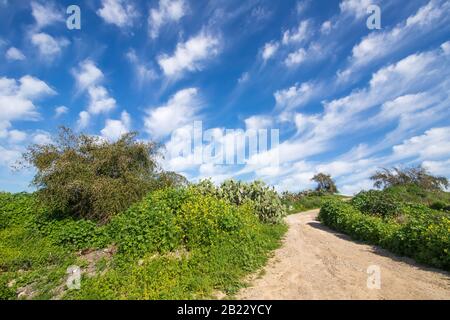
[
  {"x": 417, "y": 176},
  {"x": 266, "y": 201},
  {"x": 440, "y": 205},
  {"x": 169, "y": 179},
  {"x": 377, "y": 203},
  {"x": 424, "y": 235},
  {"x": 92, "y": 178},
  {"x": 325, "y": 184}
]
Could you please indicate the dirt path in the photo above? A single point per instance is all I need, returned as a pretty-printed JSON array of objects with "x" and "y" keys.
[{"x": 315, "y": 262}]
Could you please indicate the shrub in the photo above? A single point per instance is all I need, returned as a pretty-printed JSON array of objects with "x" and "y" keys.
[
  {"x": 417, "y": 176},
  {"x": 150, "y": 225},
  {"x": 424, "y": 236},
  {"x": 440, "y": 205},
  {"x": 206, "y": 219},
  {"x": 17, "y": 209},
  {"x": 266, "y": 201},
  {"x": 377, "y": 203},
  {"x": 325, "y": 184},
  {"x": 90, "y": 177}
]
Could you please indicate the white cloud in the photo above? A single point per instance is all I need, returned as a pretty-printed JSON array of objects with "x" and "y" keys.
[
  {"x": 358, "y": 8},
  {"x": 269, "y": 50},
  {"x": 244, "y": 78},
  {"x": 433, "y": 144},
  {"x": 298, "y": 35},
  {"x": 305, "y": 122},
  {"x": 410, "y": 93},
  {"x": 118, "y": 12},
  {"x": 9, "y": 156},
  {"x": 142, "y": 71},
  {"x": 99, "y": 100},
  {"x": 114, "y": 129},
  {"x": 46, "y": 14},
  {"x": 378, "y": 45},
  {"x": 180, "y": 110},
  {"x": 258, "y": 122},
  {"x": 446, "y": 47},
  {"x": 441, "y": 168},
  {"x": 14, "y": 54},
  {"x": 42, "y": 137},
  {"x": 34, "y": 88},
  {"x": 59, "y": 111},
  {"x": 88, "y": 74},
  {"x": 88, "y": 77},
  {"x": 301, "y": 6},
  {"x": 48, "y": 46},
  {"x": 295, "y": 58},
  {"x": 11, "y": 136},
  {"x": 83, "y": 120},
  {"x": 16, "y": 136},
  {"x": 326, "y": 27},
  {"x": 168, "y": 11},
  {"x": 294, "y": 96},
  {"x": 427, "y": 14},
  {"x": 190, "y": 55},
  {"x": 17, "y": 98}
]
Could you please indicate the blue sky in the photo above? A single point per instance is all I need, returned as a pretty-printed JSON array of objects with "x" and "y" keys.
[{"x": 345, "y": 99}]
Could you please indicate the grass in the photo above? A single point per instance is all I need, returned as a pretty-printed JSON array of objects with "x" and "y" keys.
[
  {"x": 415, "y": 194},
  {"x": 153, "y": 256},
  {"x": 309, "y": 202}
]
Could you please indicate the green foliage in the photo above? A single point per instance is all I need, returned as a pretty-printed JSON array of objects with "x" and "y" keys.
[
  {"x": 205, "y": 219},
  {"x": 173, "y": 244},
  {"x": 440, "y": 205},
  {"x": 416, "y": 194},
  {"x": 424, "y": 234},
  {"x": 197, "y": 274},
  {"x": 6, "y": 293},
  {"x": 90, "y": 177},
  {"x": 266, "y": 201},
  {"x": 377, "y": 203},
  {"x": 325, "y": 184},
  {"x": 169, "y": 179},
  {"x": 306, "y": 200},
  {"x": 150, "y": 225},
  {"x": 417, "y": 176}
]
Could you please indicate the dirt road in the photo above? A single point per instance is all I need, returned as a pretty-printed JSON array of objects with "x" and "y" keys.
[{"x": 315, "y": 262}]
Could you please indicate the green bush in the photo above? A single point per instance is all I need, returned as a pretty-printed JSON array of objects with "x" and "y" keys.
[
  {"x": 206, "y": 219},
  {"x": 175, "y": 243},
  {"x": 440, "y": 205},
  {"x": 424, "y": 236},
  {"x": 150, "y": 225},
  {"x": 92, "y": 178},
  {"x": 6, "y": 293},
  {"x": 377, "y": 203},
  {"x": 415, "y": 194},
  {"x": 266, "y": 201}
]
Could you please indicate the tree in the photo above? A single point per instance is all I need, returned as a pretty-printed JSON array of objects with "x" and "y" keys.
[
  {"x": 325, "y": 184},
  {"x": 170, "y": 179},
  {"x": 89, "y": 177},
  {"x": 418, "y": 176}
]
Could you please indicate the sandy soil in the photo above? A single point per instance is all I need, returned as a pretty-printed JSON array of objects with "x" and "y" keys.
[{"x": 315, "y": 262}]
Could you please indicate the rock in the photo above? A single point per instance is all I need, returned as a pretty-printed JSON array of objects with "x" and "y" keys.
[{"x": 11, "y": 283}]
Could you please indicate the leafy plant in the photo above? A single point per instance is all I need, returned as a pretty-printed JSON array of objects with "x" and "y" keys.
[
  {"x": 90, "y": 177},
  {"x": 424, "y": 235},
  {"x": 377, "y": 203},
  {"x": 418, "y": 176},
  {"x": 266, "y": 201},
  {"x": 325, "y": 184}
]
